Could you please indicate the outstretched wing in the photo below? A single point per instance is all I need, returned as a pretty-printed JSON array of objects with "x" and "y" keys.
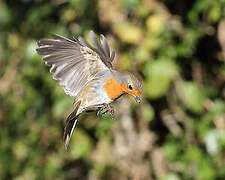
[{"x": 74, "y": 62}]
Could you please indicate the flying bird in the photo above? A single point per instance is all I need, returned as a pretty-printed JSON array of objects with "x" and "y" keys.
[{"x": 86, "y": 73}]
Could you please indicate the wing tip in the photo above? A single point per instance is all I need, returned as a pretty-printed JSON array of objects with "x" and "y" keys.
[
  {"x": 92, "y": 34},
  {"x": 56, "y": 36},
  {"x": 94, "y": 39},
  {"x": 102, "y": 47}
]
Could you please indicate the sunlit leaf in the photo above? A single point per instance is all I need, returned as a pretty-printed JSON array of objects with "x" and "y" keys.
[{"x": 128, "y": 32}]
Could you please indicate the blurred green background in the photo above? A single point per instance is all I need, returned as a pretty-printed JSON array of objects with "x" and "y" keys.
[{"x": 176, "y": 133}]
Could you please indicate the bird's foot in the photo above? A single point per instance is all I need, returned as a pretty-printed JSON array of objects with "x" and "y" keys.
[{"x": 107, "y": 109}]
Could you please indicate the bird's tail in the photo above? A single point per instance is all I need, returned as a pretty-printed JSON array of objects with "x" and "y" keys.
[{"x": 70, "y": 124}]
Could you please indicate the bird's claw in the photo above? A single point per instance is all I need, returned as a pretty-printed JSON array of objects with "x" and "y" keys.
[{"x": 99, "y": 111}]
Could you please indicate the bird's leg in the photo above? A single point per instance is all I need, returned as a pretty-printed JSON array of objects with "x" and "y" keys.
[{"x": 101, "y": 107}]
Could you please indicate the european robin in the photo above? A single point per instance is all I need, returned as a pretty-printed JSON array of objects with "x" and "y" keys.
[{"x": 87, "y": 74}]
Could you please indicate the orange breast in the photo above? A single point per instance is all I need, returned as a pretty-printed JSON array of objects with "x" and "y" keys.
[{"x": 113, "y": 89}]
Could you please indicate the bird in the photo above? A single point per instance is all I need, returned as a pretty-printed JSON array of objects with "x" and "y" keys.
[{"x": 87, "y": 74}]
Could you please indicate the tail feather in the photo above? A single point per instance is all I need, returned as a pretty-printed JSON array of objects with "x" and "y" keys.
[{"x": 71, "y": 122}]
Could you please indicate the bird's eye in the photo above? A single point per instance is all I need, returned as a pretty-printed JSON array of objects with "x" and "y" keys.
[{"x": 130, "y": 87}]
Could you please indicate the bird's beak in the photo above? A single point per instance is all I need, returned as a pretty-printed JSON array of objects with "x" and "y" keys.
[{"x": 138, "y": 99}]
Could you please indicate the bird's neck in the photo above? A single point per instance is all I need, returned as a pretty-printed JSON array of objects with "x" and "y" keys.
[{"x": 113, "y": 88}]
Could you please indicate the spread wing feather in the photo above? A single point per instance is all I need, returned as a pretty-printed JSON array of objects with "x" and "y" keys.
[{"x": 75, "y": 62}]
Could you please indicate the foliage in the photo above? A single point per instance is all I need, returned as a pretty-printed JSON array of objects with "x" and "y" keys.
[{"x": 178, "y": 131}]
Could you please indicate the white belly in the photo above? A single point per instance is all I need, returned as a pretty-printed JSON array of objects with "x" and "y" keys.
[{"x": 93, "y": 96}]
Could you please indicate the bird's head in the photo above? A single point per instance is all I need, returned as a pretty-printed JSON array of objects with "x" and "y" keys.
[{"x": 131, "y": 85}]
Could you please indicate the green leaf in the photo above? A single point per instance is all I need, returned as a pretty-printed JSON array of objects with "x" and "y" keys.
[
  {"x": 159, "y": 75},
  {"x": 193, "y": 96},
  {"x": 80, "y": 144},
  {"x": 5, "y": 14}
]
